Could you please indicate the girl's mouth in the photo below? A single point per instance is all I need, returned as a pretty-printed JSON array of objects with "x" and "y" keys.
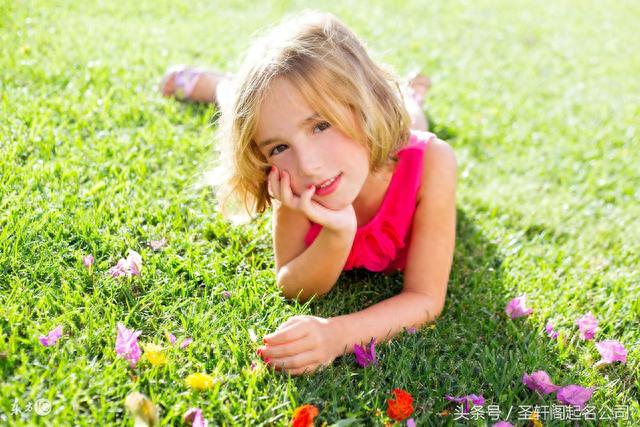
[{"x": 329, "y": 186}]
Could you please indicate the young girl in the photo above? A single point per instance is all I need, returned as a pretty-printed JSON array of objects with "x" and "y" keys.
[{"x": 314, "y": 129}]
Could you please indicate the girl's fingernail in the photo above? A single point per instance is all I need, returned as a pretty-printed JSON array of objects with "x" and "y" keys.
[
  {"x": 259, "y": 352},
  {"x": 310, "y": 186},
  {"x": 267, "y": 360},
  {"x": 264, "y": 340}
]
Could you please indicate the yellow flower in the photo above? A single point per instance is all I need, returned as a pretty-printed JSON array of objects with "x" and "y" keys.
[
  {"x": 200, "y": 381},
  {"x": 535, "y": 419},
  {"x": 155, "y": 355}
]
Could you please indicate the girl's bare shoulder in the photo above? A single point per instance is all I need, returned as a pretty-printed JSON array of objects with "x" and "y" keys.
[{"x": 439, "y": 167}]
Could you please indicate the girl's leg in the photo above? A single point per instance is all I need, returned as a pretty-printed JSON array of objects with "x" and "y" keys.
[
  {"x": 417, "y": 89},
  {"x": 193, "y": 84}
]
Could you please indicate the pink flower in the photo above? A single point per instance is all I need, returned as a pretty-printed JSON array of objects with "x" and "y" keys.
[
  {"x": 411, "y": 422},
  {"x": 588, "y": 326},
  {"x": 130, "y": 266},
  {"x": 539, "y": 381},
  {"x": 517, "y": 307},
  {"x": 185, "y": 342},
  {"x": 467, "y": 401},
  {"x": 366, "y": 356},
  {"x": 135, "y": 262},
  {"x": 158, "y": 244},
  {"x": 194, "y": 417},
  {"x": 611, "y": 351},
  {"x": 411, "y": 330},
  {"x": 503, "y": 424},
  {"x": 226, "y": 294},
  {"x": 171, "y": 337},
  {"x": 88, "y": 260},
  {"x": 127, "y": 345},
  {"x": 574, "y": 395},
  {"x": 52, "y": 337},
  {"x": 549, "y": 330}
]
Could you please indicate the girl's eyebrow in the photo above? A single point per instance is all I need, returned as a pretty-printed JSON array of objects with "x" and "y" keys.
[{"x": 309, "y": 119}]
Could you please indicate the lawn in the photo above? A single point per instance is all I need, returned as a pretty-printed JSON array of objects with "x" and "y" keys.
[{"x": 540, "y": 101}]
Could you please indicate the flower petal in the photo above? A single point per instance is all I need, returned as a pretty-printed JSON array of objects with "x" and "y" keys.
[
  {"x": 588, "y": 325},
  {"x": 517, "y": 307},
  {"x": 539, "y": 381},
  {"x": 194, "y": 417},
  {"x": 611, "y": 351},
  {"x": 52, "y": 337},
  {"x": 127, "y": 345},
  {"x": 88, "y": 260},
  {"x": 573, "y": 394}
]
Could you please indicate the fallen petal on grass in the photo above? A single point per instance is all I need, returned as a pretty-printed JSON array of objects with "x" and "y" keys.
[
  {"x": 573, "y": 394},
  {"x": 88, "y": 261},
  {"x": 467, "y": 400},
  {"x": 194, "y": 418},
  {"x": 539, "y": 381},
  {"x": 588, "y": 325},
  {"x": 127, "y": 345},
  {"x": 517, "y": 307},
  {"x": 611, "y": 351},
  {"x": 156, "y": 245},
  {"x": 367, "y": 355},
  {"x": 52, "y": 337},
  {"x": 550, "y": 331}
]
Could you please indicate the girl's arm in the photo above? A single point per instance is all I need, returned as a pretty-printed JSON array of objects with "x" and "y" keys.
[
  {"x": 303, "y": 272},
  {"x": 429, "y": 259}
]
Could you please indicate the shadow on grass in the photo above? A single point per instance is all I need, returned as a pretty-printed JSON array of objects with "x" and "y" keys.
[{"x": 472, "y": 348}]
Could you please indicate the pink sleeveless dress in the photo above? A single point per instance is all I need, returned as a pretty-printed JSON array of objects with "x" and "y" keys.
[{"x": 382, "y": 243}]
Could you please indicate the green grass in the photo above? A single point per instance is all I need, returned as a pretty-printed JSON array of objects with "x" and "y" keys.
[{"x": 540, "y": 100}]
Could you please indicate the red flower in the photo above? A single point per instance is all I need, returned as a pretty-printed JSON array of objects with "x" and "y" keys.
[
  {"x": 401, "y": 407},
  {"x": 303, "y": 416}
]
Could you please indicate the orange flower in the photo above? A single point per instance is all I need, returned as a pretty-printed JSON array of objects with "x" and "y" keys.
[
  {"x": 303, "y": 416},
  {"x": 401, "y": 407}
]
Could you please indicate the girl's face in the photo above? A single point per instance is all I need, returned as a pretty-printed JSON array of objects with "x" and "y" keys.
[{"x": 296, "y": 139}]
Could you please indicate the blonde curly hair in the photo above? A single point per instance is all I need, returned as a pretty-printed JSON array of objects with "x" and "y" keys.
[{"x": 330, "y": 67}]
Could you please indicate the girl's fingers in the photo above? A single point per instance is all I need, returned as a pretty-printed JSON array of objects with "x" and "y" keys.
[
  {"x": 286, "y": 350},
  {"x": 287, "y": 334},
  {"x": 274, "y": 183},
  {"x": 306, "y": 205},
  {"x": 292, "y": 362},
  {"x": 285, "y": 189}
]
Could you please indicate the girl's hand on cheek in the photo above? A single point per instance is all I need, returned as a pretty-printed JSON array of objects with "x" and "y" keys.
[
  {"x": 302, "y": 344},
  {"x": 342, "y": 220}
]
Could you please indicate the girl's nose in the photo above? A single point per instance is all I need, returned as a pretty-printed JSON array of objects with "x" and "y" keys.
[{"x": 309, "y": 162}]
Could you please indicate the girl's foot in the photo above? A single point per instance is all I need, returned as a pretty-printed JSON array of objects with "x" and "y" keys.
[
  {"x": 418, "y": 87},
  {"x": 191, "y": 84}
]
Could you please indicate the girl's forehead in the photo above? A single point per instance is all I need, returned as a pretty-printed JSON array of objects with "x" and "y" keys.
[{"x": 283, "y": 104}]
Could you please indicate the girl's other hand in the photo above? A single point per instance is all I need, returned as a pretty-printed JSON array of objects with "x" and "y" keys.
[
  {"x": 339, "y": 221},
  {"x": 302, "y": 344}
]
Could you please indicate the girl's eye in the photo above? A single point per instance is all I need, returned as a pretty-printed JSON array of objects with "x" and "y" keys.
[
  {"x": 274, "y": 151},
  {"x": 322, "y": 126}
]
